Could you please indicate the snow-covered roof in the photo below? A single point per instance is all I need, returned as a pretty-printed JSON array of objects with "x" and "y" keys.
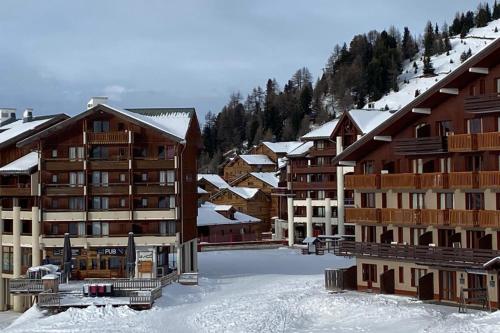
[
  {"x": 267, "y": 177},
  {"x": 171, "y": 121},
  {"x": 208, "y": 215},
  {"x": 256, "y": 159},
  {"x": 302, "y": 149},
  {"x": 244, "y": 192},
  {"x": 219, "y": 208},
  {"x": 367, "y": 120},
  {"x": 11, "y": 130},
  {"x": 322, "y": 132},
  {"x": 282, "y": 147},
  {"x": 213, "y": 179},
  {"x": 201, "y": 191},
  {"x": 23, "y": 164}
]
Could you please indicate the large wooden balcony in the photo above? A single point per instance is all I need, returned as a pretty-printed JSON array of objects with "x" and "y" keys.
[
  {"x": 360, "y": 182},
  {"x": 108, "y": 189},
  {"x": 314, "y": 185},
  {"x": 331, "y": 151},
  {"x": 489, "y": 218},
  {"x": 462, "y": 143},
  {"x": 62, "y": 165},
  {"x": 399, "y": 181},
  {"x": 482, "y": 103},
  {"x": 421, "y": 146},
  {"x": 488, "y": 141},
  {"x": 434, "y": 180},
  {"x": 489, "y": 179},
  {"x": 315, "y": 169},
  {"x": 64, "y": 189},
  {"x": 153, "y": 164},
  {"x": 418, "y": 253},
  {"x": 108, "y": 138},
  {"x": 463, "y": 180},
  {"x": 464, "y": 218},
  {"x": 21, "y": 190},
  {"x": 362, "y": 215},
  {"x": 400, "y": 216},
  {"x": 154, "y": 188}
]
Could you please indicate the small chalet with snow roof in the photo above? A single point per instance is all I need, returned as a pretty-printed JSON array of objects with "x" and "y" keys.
[
  {"x": 243, "y": 164},
  {"x": 211, "y": 183}
]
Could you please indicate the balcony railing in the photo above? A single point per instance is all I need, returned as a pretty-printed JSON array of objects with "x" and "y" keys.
[
  {"x": 490, "y": 179},
  {"x": 482, "y": 103},
  {"x": 400, "y": 216},
  {"x": 108, "y": 138},
  {"x": 331, "y": 151},
  {"x": 315, "y": 169},
  {"x": 314, "y": 185},
  {"x": 417, "y": 146},
  {"x": 360, "y": 182},
  {"x": 462, "y": 142},
  {"x": 464, "y": 218},
  {"x": 418, "y": 253},
  {"x": 462, "y": 180},
  {"x": 19, "y": 190},
  {"x": 435, "y": 180},
  {"x": 399, "y": 181},
  {"x": 435, "y": 217},
  {"x": 489, "y": 218},
  {"x": 488, "y": 141},
  {"x": 362, "y": 215}
]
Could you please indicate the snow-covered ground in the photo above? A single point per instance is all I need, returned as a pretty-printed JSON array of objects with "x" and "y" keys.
[{"x": 264, "y": 291}]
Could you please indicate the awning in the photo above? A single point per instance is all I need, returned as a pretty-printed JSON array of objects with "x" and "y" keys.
[{"x": 23, "y": 165}]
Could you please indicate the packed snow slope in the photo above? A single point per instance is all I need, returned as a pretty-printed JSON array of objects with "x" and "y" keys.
[
  {"x": 264, "y": 291},
  {"x": 476, "y": 40}
]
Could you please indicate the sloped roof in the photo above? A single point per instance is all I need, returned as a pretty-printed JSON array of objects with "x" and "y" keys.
[
  {"x": 213, "y": 179},
  {"x": 208, "y": 215},
  {"x": 322, "y": 132},
  {"x": 201, "y": 191},
  {"x": 302, "y": 149},
  {"x": 282, "y": 147},
  {"x": 267, "y": 177},
  {"x": 16, "y": 130},
  {"x": 244, "y": 192},
  {"x": 256, "y": 159},
  {"x": 367, "y": 120},
  {"x": 22, "y": 165}
]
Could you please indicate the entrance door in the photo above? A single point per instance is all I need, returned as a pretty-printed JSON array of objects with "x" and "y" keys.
[
  {"x": 387, "y": 282},
  {"x": 425, "y": 288},
  {"x": 369, "y": 274},
  {"x": 447, "y": 286}
]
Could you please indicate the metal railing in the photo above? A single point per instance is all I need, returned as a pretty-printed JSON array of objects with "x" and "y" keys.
[
  {"x": 49, "y": 299},
  {"x": 20, "y": 285}
]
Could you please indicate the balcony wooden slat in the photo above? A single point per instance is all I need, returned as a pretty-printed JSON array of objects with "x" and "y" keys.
[
  {"x": 399, "y": 181},
  {"x": 314, "y": 185},
  {"x": 463, "y": 180},
  {"x": 435, "y": 180},
  {"x": 489, "y": 179},
  {"x": 463, "y": 218},
  {"x": 400, "y": 216},
  {"x": 462, "y": 142},
  {"x": 362, "y": 181},
  {"x": 107, "y": 138},
  {"x": 488, "y": 141},
  {"x": 489, "y": 218},
  {"x": 14, "y": 191},
  {"x": 153, "y": 164},
  {"x": 362, "y": 215},
  {"x": 315, "y": 169},
  {"x": 62, "y": 165},
  {"x": 64, "y": 190},
  {"x": 434, "y": 217}
]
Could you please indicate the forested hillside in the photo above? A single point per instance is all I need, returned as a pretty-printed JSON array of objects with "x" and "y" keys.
[{"x": 373, "y": 67}]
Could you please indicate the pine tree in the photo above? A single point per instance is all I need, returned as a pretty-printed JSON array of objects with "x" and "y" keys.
[
  {"x": 429, "y": 39},
  {"x": 428, "y": 67},
  {"x": 496, "y": 11},
  {"x": 408, "y": 49},
  {"x": 483, "y": 15}
]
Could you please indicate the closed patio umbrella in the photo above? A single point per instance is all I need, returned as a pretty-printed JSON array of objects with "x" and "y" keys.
[
  {"x": 130, "y": 255},
  {"x": 67, "y": 256}
]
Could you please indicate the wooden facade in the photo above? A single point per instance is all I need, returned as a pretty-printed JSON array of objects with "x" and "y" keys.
[{"x": 432, "y": 183}]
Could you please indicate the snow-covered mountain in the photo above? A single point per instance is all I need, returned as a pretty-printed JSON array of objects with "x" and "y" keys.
[{"x": 409, "y": 81}]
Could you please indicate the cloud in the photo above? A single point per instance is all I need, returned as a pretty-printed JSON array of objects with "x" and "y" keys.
[{"x": 115, "y": 92}]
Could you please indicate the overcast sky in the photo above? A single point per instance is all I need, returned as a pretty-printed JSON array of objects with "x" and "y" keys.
[{"x": 55, "y": 55}]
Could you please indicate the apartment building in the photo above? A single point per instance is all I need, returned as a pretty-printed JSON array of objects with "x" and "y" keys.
[
  {"x": 100, "y": 175},
  {"x": 426, "y": 191},
  {"x": 19, "y": 198},
  {"x": 315, "y": 190}
]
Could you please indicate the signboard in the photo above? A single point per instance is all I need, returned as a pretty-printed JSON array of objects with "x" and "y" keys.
[
  {"x": 58, "y": 252},
  {"x": 111, "y": 251},
  {"x": 144, "y": 256}
]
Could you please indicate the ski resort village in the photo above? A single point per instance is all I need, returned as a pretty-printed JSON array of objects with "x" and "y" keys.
[{"x": 363, "y": 198}]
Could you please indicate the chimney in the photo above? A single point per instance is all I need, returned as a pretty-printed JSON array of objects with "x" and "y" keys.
[
  {"x": 7, "y": 115},
  {"x": 94, "y": 101},
  {"x": 27, "y": 115}
]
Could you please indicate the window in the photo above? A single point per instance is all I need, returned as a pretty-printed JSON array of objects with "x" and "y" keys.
[
  {"x": 54, "y": 179},
  {"x": 144, "y": 177},
  {"x": 167, "y": 228},
  {"x": 416, "y": 274},
  {"x": 100, "y": 178},
  {"x": 76, "y": 203},
  {"x": 83, "y": 264},
  {"x": 369, "y": 272},
  {"x": 368, "y": 200},
  {"x": 445, "y": 127},
  {"x": 100, "y": 126},
  {"x": 121, "y": 127},
  {"x": 474, "y": 201},
  {"x": 81, "y": 228},
  {"x": 320, "y": 144},
  {"x": 161, "y": 152},
  {"x": 123, "y": 203},
  {"x": 100, "y": 228},
  {"x": 445, "y": 201},
  {"x": 76, "y": 153},
  {"x": 76, "y": 179},
  {"x": 170, "y": 152},
  {"x": 140, "y": 152},
  {"x": 474, "y": 162},
  {"x": 321, "y": 195},
  {"x": 7, "y": 259},
  {"x": 100, "y": 203},
  {"x": 73, "y": 229},
  {"x": 320, "y": 161},
  {"x": 55, "y": 203},
  {"x": 319, "y": 211},
  {"x": 123, "y": 177},
  {"x": 53, "y": 154},
  {"x": 99, "y": 152},
  {"x": 417, "y": 200},
  {"x": 114, "y": 263},
  {"x": 368, "y": 167},
  {"x": 475, "y": 125}
]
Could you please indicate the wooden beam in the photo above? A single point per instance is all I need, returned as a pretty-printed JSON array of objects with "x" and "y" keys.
[
  {"x": 421, "y": 110},
  {"x": 386, "y": 138},
  {"x": 347, "y": 163},
  {"x": 450, "y": 91},
  {"x": 479, "y": 70}
]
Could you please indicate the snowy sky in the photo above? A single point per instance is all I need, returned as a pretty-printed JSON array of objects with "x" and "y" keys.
[{"x": 56, "y": 54}]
